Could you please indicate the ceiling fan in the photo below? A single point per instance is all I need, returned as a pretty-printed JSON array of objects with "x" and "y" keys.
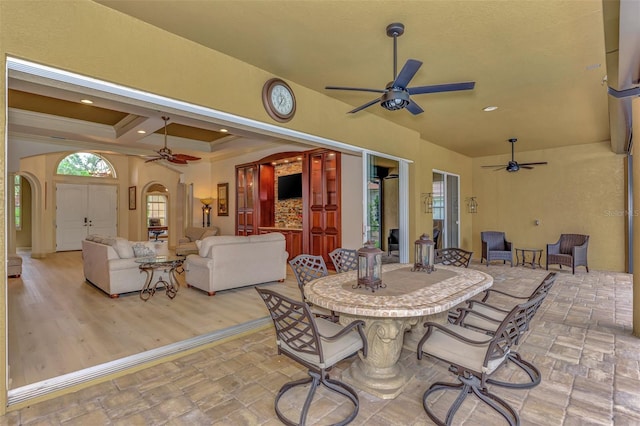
[
  {"x": 396, "y": 95},
  {"x": 166, "y": 154},
  {"x": 513, "y": 165}
]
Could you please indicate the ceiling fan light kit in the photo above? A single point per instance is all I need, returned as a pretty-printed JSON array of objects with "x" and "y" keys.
[
  {"x": 513, "y": 165},
  {"x": 396, "y": 95}
]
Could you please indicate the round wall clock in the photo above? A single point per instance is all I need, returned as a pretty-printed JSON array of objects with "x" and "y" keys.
[{"x": 278, "y": 100}]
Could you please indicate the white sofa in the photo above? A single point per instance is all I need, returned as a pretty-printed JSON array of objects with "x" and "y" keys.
[
  {"x": 226, "y": 262},
  {"x": 109, "y": 263}
]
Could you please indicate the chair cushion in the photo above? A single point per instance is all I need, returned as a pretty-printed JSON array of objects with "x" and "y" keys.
[
  {"x": 333, "y": 351},
  {"x": 454, "y": 351}
]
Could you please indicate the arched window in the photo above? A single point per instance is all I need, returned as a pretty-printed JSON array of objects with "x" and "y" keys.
[{"x": 85, "y": 164}]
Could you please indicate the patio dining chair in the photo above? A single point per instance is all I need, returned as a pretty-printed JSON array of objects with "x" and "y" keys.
[
  {"x": 318, "y": 345},
  {"x": 473, "y": 356},
  {"x": 344, "y": 260},
  {"x": 306, "y": 268},
  {"x": 481, "y": 316},
  {"x": 453, "y": 256}
]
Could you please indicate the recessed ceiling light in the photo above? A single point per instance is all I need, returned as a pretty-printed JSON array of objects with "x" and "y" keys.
[
  {"x": 224, "y": 130},
  {"x": 142, "y": 132},
  {"x": 86, "y": 101},
  {"x": 489, "y": 108}
]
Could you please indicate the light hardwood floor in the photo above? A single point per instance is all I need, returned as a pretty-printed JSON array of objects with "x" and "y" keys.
[{"x": 58, "y": 323}]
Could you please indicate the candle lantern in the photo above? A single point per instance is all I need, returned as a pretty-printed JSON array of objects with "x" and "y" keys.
[
  {"x": 424, "y": 254},
  {"x": 370, "y": 267}
]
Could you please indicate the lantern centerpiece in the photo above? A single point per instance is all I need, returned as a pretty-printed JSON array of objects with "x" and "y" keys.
[
  {"x": 424, "y": 255},
  {"x": 369, "y": 267}
]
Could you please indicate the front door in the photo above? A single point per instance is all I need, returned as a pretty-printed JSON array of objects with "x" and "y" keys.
[{"x": 82, "y": 210}]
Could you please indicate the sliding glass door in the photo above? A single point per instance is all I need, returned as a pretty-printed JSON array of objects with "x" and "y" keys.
[{"x": 446, "y": 209}]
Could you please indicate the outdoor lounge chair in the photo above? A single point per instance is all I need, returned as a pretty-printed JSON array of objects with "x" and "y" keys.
[
  {"x": 496, "y": 247},
  {"x": 570, "y": 250}
]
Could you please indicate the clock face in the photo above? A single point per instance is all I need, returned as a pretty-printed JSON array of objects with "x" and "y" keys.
[
  {"x": 282, "y": 99},
  {"x": 279, "y": 100}
]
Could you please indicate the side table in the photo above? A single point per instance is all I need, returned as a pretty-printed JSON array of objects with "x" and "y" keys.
[
  {"x": 170, "y": 264},
  {"x": 534, "y": 252}
]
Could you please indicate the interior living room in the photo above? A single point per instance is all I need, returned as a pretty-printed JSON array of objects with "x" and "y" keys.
[{"x": 561, "y": 108}]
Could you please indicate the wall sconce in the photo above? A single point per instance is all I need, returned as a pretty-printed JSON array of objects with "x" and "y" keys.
[
  {"x": 472, "y": 205},
  {"x": 427, "y": 202},
  {"x": 206, "y": 211}
]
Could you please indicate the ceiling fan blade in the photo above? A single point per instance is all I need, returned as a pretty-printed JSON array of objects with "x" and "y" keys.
[
  {"x": 359, "y": 89},
  {"x": 526, "y": 167},
  {"x": 367, "y": 105},
  {"x": 407, "y": 72},
  {"x": 533, "y": 164},
  {"x": 495, "y": 165},
  {"x": 185, "y": 157},
  {"x": 153, "y": 159},
  {"x": 414, "y": 108},
  {"x": 451, "y": 87},
  {"x": 177, "y": 160}
]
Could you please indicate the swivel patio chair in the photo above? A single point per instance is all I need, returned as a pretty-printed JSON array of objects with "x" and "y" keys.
[
  {"x": 496, "y": 247},
  {"x": 481, "y": 316},
  {"x": 570, "y": 250},
  {"x": 473, "y": 357},
  {"x": 453, "y": 256},
  {"x": 344, "y": 260},
  {"x": 306, "y": 268},
  {"x": 318, "y": 345}
]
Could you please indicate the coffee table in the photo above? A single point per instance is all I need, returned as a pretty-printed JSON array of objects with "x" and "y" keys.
[
  {"x": 534, "y": 253},
  {"x": 170, "y": 265}
]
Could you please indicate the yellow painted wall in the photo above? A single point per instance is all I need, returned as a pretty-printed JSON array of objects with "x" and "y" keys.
[{"x": 580, "y": 191}]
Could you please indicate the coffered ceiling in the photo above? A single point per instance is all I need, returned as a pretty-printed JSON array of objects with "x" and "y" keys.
[{"x": 542, "y": 63}]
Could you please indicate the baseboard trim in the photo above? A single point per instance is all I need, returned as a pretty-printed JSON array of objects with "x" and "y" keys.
[{"x": 55, "y": 384}]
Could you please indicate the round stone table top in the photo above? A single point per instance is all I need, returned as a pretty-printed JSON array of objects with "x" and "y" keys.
[{"x": 407, "y": 294}]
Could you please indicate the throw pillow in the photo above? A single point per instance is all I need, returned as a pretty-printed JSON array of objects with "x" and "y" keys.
[
  {"x": 141, "y": 250},
  {"x": 209, "y": 233},
  {"x": 123, "y": 248}
]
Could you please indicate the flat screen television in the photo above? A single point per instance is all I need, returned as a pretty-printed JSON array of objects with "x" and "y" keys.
[{"x": 290, "y": 186}]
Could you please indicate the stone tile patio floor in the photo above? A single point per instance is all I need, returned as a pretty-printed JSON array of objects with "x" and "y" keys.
[{"x": 580, "y": 339}]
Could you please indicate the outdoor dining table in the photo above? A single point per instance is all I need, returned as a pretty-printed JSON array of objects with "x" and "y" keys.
[{"x": 408, "y": 300}]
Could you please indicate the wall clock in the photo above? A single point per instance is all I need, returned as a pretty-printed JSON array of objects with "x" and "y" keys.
[{"x": 279, "y": 100}]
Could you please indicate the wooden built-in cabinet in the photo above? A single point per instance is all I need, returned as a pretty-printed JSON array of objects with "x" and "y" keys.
[
  {"x": 292, "y": 238},
  {"x": 321, "y": 212}
]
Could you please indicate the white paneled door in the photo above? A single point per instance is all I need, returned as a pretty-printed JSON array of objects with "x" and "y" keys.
[{"x": 82, "y": 210}]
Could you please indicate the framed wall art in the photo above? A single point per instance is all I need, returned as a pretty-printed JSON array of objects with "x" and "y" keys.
[
  {"x": 223, "y": 199},
  {"x": 132, "y": 198}
]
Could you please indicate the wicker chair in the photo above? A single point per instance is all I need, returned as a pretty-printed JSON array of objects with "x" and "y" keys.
[
  {"x": 317, "y": 344},
  {"x": 570, "y": 250},
  {"x": 473, "y": 357},
  {"x": 496, "y": 247},
  {"x": 453, "y": 256},
  {"x": 481, "y": 316},
  {"x": 306, "y": 268},
  {"x": 393, "y": 240},
  {"x": 344, "y": 260}
]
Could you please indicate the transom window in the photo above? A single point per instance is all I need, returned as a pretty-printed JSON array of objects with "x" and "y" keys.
[{"x": 85, "y": 164}]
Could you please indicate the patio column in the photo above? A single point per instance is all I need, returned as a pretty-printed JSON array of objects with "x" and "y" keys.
[{"x": 635, "y": 119}]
